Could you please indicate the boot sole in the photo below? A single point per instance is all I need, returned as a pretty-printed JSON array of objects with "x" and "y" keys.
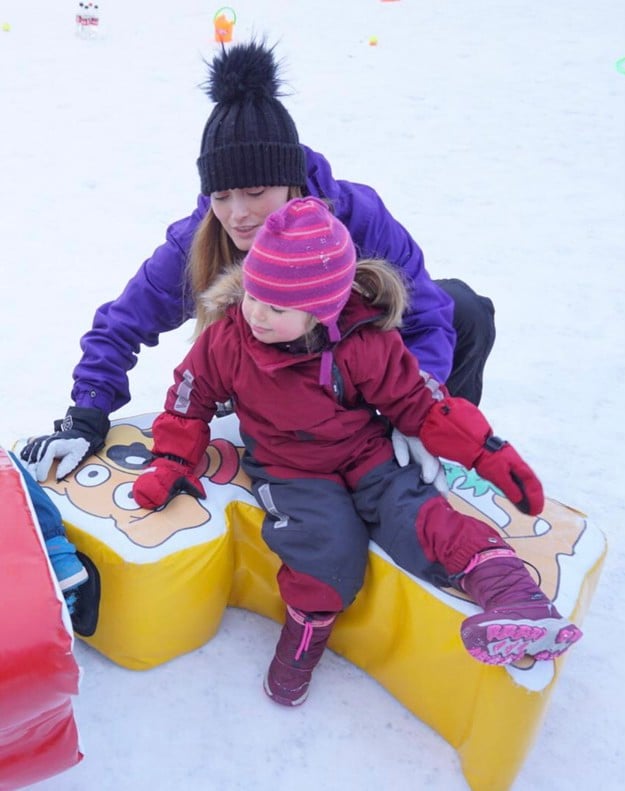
[
  {"x": 282, "y": 699},
  {"x": 504, "y": 641},
  {"x": 69, "y": 583}
]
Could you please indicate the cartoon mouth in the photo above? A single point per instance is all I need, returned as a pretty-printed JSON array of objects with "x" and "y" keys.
[{"x": 134, "y": 519}]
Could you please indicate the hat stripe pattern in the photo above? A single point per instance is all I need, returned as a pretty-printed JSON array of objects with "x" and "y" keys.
[{"x": 303, "y": 258}]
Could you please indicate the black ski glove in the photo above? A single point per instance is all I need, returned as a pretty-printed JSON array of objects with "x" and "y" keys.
[{"x": 81, "y": 433}]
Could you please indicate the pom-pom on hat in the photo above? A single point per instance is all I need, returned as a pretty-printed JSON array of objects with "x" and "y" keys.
[
  {"x": 249, "y": 140},
  {"x": 302, "y": 258}
]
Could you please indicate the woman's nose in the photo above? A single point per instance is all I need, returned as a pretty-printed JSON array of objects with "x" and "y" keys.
[{"x": 240, "y": 208}]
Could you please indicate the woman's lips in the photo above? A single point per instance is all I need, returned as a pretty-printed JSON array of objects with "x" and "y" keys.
[{"x": 246, "y": 231}]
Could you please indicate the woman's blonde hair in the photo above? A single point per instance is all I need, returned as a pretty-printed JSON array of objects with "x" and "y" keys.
[{"x": 212, "y": 252}]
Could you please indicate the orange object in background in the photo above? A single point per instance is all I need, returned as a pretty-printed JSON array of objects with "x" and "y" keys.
[
  {"x": 224, "y": 25},
  {"x": 38, "y": 672}
]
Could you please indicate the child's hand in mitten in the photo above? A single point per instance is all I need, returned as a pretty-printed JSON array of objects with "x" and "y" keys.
[
  {"x": 163, "y": 480},
  {"x": 456, "y": 429}
]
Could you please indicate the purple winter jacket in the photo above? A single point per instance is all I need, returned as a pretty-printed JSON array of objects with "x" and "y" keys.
[{"x": 156, "y": 299}]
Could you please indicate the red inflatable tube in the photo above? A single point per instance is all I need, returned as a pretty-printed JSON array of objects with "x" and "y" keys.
[{"x": 38, "y": 672}]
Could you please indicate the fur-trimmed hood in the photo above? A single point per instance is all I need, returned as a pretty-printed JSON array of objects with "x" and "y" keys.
[{"x": 227, "y": 290}]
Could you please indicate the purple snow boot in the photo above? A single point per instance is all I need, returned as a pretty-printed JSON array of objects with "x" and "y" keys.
[
  {"x": 301, "y": 644},
  {"x": 518, "y": 618}
]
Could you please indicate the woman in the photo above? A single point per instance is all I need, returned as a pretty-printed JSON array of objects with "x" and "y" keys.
[{"x": 251, "y": 162}]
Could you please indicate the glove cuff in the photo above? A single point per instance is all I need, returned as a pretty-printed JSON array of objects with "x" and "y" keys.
[
  {"x": 172, "y": 457},
  {"x": 456, "y": 429},
  {"x": 91, "y": 422},
  {"x": 494, "y": 443},
  {"x": 180, "y": 437}
]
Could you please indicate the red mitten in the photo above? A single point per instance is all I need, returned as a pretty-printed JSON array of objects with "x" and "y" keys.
[
  {"x": 456, "y": 429},
  {"x": 163, "y": 480},
  {"x": 180, "y": 438}
]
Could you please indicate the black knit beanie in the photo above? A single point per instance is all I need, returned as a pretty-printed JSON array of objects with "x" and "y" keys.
[{"x": 249, "y": 140}]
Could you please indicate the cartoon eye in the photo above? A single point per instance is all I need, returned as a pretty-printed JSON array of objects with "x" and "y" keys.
[
  {"x": 122, "y": 497},
  {"x": 541, "y": 527},
  {"x": 93, "y": 475}
]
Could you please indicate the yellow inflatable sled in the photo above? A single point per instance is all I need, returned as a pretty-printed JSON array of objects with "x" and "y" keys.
[{"x": 161, "y": 581}]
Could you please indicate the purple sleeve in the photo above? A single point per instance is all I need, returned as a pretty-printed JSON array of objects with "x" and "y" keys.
[
  {"x": 155, "y": 300},
  {"x": 427, "y": 330}
]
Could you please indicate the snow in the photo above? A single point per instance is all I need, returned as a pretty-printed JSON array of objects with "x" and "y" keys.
[{"x": 495, "y": 133}]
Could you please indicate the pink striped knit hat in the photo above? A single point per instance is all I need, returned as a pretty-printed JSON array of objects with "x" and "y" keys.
[{"x": 302, "y": 258}]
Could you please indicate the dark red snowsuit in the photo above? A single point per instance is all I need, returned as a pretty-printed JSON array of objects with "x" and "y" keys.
[{"x": 320, "y": 458}]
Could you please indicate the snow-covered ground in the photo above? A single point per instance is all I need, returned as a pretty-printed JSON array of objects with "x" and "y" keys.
[{"x": 496, "y": 133}]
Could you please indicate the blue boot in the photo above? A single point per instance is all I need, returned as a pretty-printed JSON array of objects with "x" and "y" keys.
[{"x": 69, "y": 571}]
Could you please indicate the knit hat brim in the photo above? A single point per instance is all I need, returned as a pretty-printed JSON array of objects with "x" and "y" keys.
[{"x": 257, "y": 164}]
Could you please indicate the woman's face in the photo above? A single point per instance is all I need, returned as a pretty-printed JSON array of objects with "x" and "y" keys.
[{"x": 243, "y": 211}]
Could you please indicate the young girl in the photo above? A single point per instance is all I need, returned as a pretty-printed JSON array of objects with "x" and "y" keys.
[{"x": 305, "y": 343}]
